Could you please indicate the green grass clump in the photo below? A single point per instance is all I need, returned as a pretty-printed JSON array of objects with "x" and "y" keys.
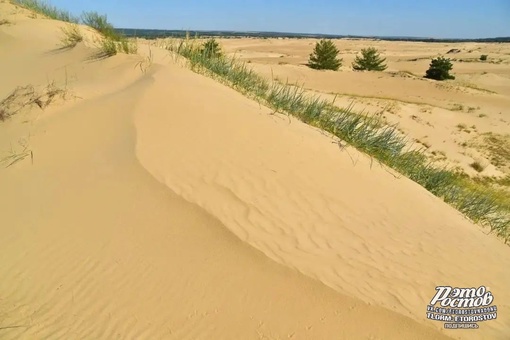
[
  {"x": 127, "y": 47},
  {"x": 48, "y": 10},
  {"x": 71, "y": 36},
  {"x": 211, "y": 49},
  {"x": 108, "y": 48},
  {"x": 365, "y": 132},
  {"x": 113, "y": 42},
  {"x": 100, "y": 23}
]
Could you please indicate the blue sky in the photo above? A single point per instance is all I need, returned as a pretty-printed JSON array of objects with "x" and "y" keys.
[{"x": 421, "y": 18}]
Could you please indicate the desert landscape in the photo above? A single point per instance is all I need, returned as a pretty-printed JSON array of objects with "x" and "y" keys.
[
  {"x": 455, "y": 121},
  {"x": 146, "y": 195}
]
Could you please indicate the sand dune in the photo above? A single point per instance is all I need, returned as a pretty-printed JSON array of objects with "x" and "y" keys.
[
  {"x": 429, "y": 112},
  {"x": 93, "y": 247},
  {"x": 291, "y": 192},
  {"x": 163, "y": 205}
]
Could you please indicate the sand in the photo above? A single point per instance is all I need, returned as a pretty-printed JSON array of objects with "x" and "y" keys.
[
  {"x": 164, "y": 205},
  {"x": 450, "y": 120}
]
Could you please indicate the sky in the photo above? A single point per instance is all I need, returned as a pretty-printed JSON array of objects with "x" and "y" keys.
[{"x": 416, "y": 18}]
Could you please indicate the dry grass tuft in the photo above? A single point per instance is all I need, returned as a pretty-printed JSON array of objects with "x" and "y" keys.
[
  {"x": 71, "y": 36},
  {"x": 15, "y": 156},
  {"x": 27, "y": 96}
]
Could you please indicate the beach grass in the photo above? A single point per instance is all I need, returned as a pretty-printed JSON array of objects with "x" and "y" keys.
[
  {"x": 384, "y": 143},
  {"x": 112, "y": 43},
  {"x": 71, "y": 36},
  {"x": 48, "y": 10}
]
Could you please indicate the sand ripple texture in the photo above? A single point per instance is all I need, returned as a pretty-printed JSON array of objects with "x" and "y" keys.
[{"x": 329, "y": 212}]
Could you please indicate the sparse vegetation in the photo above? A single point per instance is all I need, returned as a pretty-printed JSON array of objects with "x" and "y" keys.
[
  {"x": 113, "y": 42},
  {"x": 325, "y": 56},
  {"x": 383, "y": 142},
  {"x": 370, "y": 60},
  {"x": 477, "y": 166},
  {"x": 71, "y": 36},
  {"x": 108, "y": 48},
  {"x": 26, "y": 96},
  {"x": 100, "y": 23},
  {"x": 146, "y": 63},
  {"x": 127, "y": 46},
  {"x": 457, "y": 107},
  {"x": 14, "y": 156},
  {"x": 497, "y": 147},
  {"x": 47, "y": 10},
  {"x": 211, "y": 49},
  {"x": 484, "y": 57},
  {"x": 439, "y": 69}
]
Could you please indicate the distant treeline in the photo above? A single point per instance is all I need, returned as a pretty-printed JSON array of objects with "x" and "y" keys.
[{"x": 156, "y": 34}]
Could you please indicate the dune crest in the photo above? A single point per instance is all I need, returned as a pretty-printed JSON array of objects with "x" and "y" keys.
[
  {"x": 329, "y": 212},
  {"x": 164, "y": 205},
  {"x": 93, "y": 247}
]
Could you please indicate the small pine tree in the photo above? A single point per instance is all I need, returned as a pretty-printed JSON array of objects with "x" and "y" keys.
[
  {"x": 211, "y": 49},
  {"x": 439, "y": 69},
  {"x": 324, "y": 56},
  {"x": 370, "y": 60}
]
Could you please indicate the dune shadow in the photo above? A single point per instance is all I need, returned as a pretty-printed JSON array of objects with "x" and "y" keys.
[
  {"x": 58, "y": 50},
  {"x": 97, "y": 56}
]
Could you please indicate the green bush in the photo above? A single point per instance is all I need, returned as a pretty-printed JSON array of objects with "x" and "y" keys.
[
  {"x": 439, "y": 69},
  {"x": 211, "y": 49},
  {"x": 484, "y": 57},
  {"x": 325, "y": 56},
  {"x": 370, "y": 60}
]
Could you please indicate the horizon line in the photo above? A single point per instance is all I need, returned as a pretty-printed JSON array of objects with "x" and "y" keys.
[{"x": 307, "y": 34}]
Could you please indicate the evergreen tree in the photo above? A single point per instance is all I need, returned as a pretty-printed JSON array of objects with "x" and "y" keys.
[
  {"x": 324, "y": 56},
  {"x": 370, "y": 60},
  {"x": 439, "y": 69},
  {"x": 211, "y": 49}
]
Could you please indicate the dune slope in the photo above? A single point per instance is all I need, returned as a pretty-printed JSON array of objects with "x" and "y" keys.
[
  {"x": 94, "y": 247},
  {"x": 305, "y": 202}
]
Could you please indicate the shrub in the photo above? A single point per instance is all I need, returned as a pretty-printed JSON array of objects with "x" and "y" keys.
[
  {"x": 484, "y": 57},
  {"x": 211, "y": 49},
  {"x": 370, "y": 60},
  {"x": 324, "y": 56},
  {"x": 439, "y": 69},
  {"x": 71, "y": 36},
  {"x": 477, "y": 166}
]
